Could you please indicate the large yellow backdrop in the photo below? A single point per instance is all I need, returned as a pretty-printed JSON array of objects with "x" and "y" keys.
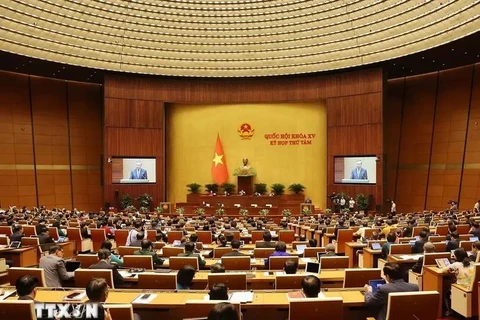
[{"x": 192, "y": 132}]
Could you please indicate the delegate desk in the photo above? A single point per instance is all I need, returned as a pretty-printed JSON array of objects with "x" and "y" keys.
[
  {"x": 370, "y": 257},
  {"x": 351, "y": 249},
  {"x": 266, "y": 305},
  {"x": 21, "y": 257},
  {"x": 433, "y": 279},
  {"x": 263, "y": 280},
  {"x": 258, "y": 263}
]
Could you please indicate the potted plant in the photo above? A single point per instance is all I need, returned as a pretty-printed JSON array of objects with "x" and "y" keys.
[
  {"x": 159, "y": 210},
  {"x": 194, "y": 187},
  {"x": 345, "y": 210},
  {"x": 144, "y": 210},
  {"x": 200, "y": 211},
  {"x": 286, "y": 212},
  {"x": 212, "y": 187},
  {"x": 126, "y": 201},
  {"x": 296, "y": 188},
  {"x": 264, "y": 212},
  {"x": 131, "y": 208},
  {"x": 306, "y": 211},
  {"x": 278, "y": 189},
  {"x": 229, "y": 188},
  {"x": 145, "y": 200},
  {"x": 362, "y": 202},
  {"x": 180, "y": 210},
  {"x": 243, "y": 212},
  {"x": 260, "y": 188},
  {"x": 220, "y": 212}
]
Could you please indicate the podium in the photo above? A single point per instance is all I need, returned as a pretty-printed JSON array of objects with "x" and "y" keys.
[{"x": 245, "y": 183}]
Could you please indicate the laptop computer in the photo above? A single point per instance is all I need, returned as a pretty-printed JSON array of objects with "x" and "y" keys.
[
  {"x": 61, "y": 239},
  {"x": 312, "y": 267},
  {"x": 375, "y": 284},
  {"x": 273, "y": 233},
  {"x": 301, "y": 248},
  {"x": 176, "y": 243},
  {"x": 15, "y": 244},
  {"x": 72, "y": 265},
  {"x": 376, "y": 246},
  {"x": 412, "y": 242},
  {"x": 442, "y": 263},
  {"x": 473, "y": 238}
]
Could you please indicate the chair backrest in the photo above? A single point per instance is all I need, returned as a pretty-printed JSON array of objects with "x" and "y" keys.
[
  {"x": 200, "y": 308},
  {"x": 174, "y": 235},
  {"x": 257, "y": 235},
  {"x": 74, "y": 234},
  {"x": 401, "y": 248},
  {"x": 429, "y": 258},
  {"x": 176, "y": 263},
  {"x": 343, "y": 236},
  {"x": 436, "y": 238},
  {"x": 465, "y": 237},
  {"x": 476, "y": 278},
  {"x": 312, "y": 252},
  {"x": 316, "y": 309},
  {"x": 73, "y": 224},
  {"x": 235, "y": 233},
  {"x": 220, "y": 251},
  {"x": 172, "y": 251},
  {"x": 152, "y": 235},
  {"x": 6, "y": 230},
  {"x": 5, "y": 241},
  {"x": 138, "y": 261},
  {"x": 120, "y": 311},
  {"x": 98, "y": 236},
  {"x": 233, "y": 281},
  {"x": 262, "y": 252},
  {"x": 121, "y": 237},
  {"x": 86, "y": 260},
  {"x": 15, "y": 273},
  {"x": 412, "y": 305},
  {"x": 295, "y": 243},
  {"x": 236, "y": 263},
  {"x": 416, "y": 231},
  {"x": 276, "y": 263},
  {"x": 333, "y": 262},
  {"x": 158, "y": 245},
  {"x": 440, "y": 246},
  {"x": 18, "y": 309},
  {"x": 53, "y": 232},
  {"x": 463, "y": 228},
  {"x": 157, "y": 281},
  {"x": 29, "y": 230},
  {"x": 287, "y": 236},
  {"x": 369, "y": 232},
  {"x": 204, "y": 236},
  {"x": 357, "y": 278},
  {"x": 126, "y": 250},
  {"x": 83, "y": 276},
  {"x": 289, "y": 281},
  {"x": 467, "y": 245},
  {"x": 441, "y": 230}
]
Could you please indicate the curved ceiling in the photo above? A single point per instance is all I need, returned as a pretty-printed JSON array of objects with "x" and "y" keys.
[{"x": 230, "y": 38}]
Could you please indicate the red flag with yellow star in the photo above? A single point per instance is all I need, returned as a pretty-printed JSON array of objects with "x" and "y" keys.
[{"x": 219, "y": 164}]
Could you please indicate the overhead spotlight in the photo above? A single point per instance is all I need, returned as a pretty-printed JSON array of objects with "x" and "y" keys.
[
  {"x": 453, "y": 49},
  {"x": 465, "y": 52}
]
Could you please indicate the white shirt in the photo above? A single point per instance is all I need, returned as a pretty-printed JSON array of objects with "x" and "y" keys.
[
  {"x": 394, "y": 207},
  {"x": 351, "y": 203}
]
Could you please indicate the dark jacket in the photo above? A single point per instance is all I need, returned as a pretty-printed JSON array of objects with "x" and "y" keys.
[
  {"x": 452, "y": 245},
  {"x": 418, "y": 246},
  {"x": 156, "y": 259},
  {"x": 379, "y": 300},
  {"x": 417, "y": 267},
  {"x": 117, "y": 277},
  {"x": 45, "y": 241},
  {"x": 16, "y": 236}
]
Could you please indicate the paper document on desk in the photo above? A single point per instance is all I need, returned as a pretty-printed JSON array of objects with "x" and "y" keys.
[
  {"x": 242, "y": 297},
  {"x": 410, "y": 256},
  {"x": 145, "y": 298},
  {"x": 305, "y": 260},
  {"x": 6, "y": 295},
  {"x": 253, "y": 261}
]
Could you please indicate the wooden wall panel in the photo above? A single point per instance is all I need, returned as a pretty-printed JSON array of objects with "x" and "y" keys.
[
  {"x": 41, "y": 135},
  {"x": 354, "y": 105}
]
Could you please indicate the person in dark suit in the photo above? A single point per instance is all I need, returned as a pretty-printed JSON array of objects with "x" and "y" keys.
[
  {"x": 44, "y": 239},
  {"x": 235, "y": 249},
  {"x": 290, "y": 266},
  {"x": 395, "y": 283},
  {"x": 138, "y": 172},
  {"x": 418, "y": 246},
  {"x": 104, "y": 263},
  {"x": 267, "y": 241},
  {"x": 475, "y": 248},
  {"x": 189, "y": 247},
  {"x": 427, "y": 248},
  {"x": 311, "y": 286},
  {"x": 17, "y": 234},
  {"x": 454, "y": 243},
  {"x": 26, "y": 287},
  {"x": 147, "y": 250},
  {"x": 40, "y": 225},
  {"x": 359, "y": 173}
]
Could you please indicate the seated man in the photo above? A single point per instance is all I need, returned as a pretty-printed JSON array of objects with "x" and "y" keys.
[
  {"x": 427, "y": 248},
  {"x": 189, "y": 247},
  {"x": 219, "y": 291},
  {"x": 330, "y": 250},
  {"x": 475, "y": 248},
  {"x": 311, "y": 286},
  {"x": 454, "y": 243},
  {"x": 44, "y": 238},
  {"x": 267, "y": 241},
  {"x": 185, "y": 277},
  {"x": 147, "y": 250},
  {"x": 138, "y": 241},
  {"x": 395, "y": 283},
  {"x": 26, "y": 287},
  {"x": 290, "y": 267},
  {"x": 104, "y": 263},
  {"x": 235, "y": 249},
  {"x": 217, "y": 268},
  {"x": 418, "y": 246},
  {"x": 391, "y": 239},
  {"x": 17, "y": 234},
  {"x": 54, "y": 267}
]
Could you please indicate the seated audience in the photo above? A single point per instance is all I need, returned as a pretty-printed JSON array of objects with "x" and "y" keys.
[
  {"x": 395, "y": 283},
  {"x": 219, "y": 291},
  {"x": 280, "y": 250},
  {"x": 104, "y": 263},
  {"x": 189, "y": 247},
  {"x": 312, "y": 243},
  {"x": 463, "y": 268},
  {"x": 185, "y": 277},
  {"x": 109, "y": 230},
  {"x": 17, "y": 234},
  {"x": 267, "y": 241},
  {"x": 132, "y": 234},
  {"x": 454, "y": 243},
  {"x": 223, "y": 311},
  {"x": 26, "y": 287},
  {"x": 391, "y": 239},
  {"x": 290, "y": 267},
  {"x": 475, "y": 248},
  {"x": 60, "y": 231},
  {"x": 138, "y": 241},
  {"x": 475, "y": 229},
  {"x": 114, "y": 259},
  {"x": 147, "y": 250},
  {"x": 341, "y": 225},
  {"x": 418, "y": 246},
  {"x": 54, "y": 267},
  {"x": 217, "y": 268},
  {"x": 311, "y": 286},
  {"x": 235, "y": 249},
  {"x": 427, "y": 248},
  {"x": 330, "y": 250},
  {"x": 44, "y": 238},
  {"x": 229, "y": 237}
]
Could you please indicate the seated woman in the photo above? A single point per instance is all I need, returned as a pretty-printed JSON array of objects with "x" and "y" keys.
[
  {"x": 219, "y": 291},
  {"x": 185, "y": 277},
  {"x": 114, "y": 258}
]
